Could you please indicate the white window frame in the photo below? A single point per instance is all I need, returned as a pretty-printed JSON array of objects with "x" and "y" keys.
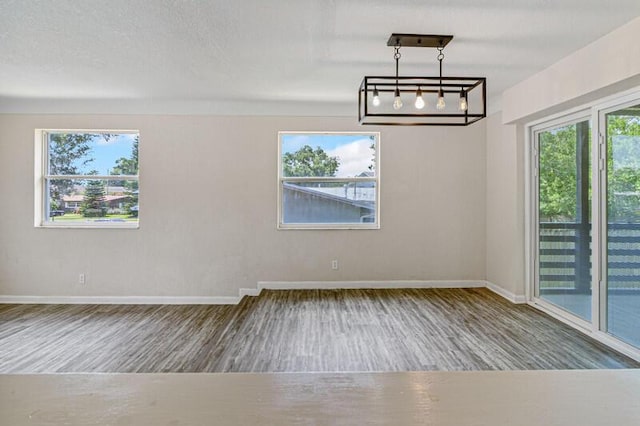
[
  {"x": 282, "y": 180},
  {"x": 42, "y": 176}
]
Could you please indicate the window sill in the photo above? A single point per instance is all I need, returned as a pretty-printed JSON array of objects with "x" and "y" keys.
[
  {"x": 89, "y": 226},
  {"x": 327, "y": 227}
]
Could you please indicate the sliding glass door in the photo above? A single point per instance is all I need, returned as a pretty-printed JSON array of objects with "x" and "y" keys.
[
  {"x": 621, "y": 296},
  {"x": 585, "y": 220},
  {"x": 563, "y": 215}
]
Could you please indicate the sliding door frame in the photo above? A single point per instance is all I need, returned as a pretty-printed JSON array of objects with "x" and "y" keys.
[
  {"x": 575, "y": 117},
  {"x": 595, "y": 112},
  {"x": 603, "y": 110}
]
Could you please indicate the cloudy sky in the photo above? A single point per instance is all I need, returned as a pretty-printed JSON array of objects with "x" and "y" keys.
[{"x": 353, "y": 150}]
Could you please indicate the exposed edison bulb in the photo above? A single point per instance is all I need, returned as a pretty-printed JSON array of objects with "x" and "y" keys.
[
  {"x": 376, "y": 98},
  {"x": 419, "y": 99},
  {"x": 397, "y": 100},
  {"x": 463, "y": 104},
  {"x": 441, "y": 104}
]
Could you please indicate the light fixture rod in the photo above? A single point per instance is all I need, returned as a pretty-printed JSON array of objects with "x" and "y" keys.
[
  {"x": 396, "y": 56},
  {"x": 440, "y": 58}
]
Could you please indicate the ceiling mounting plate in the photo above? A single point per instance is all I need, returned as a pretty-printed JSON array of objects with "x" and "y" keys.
[{"x": 419, "y": 40}]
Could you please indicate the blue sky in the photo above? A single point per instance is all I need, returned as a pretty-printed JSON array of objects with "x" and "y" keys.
[
  {"x": 105, "y": 153},
  {"x": 293, "y": 142},
  {"x": 353, "y": 151}
]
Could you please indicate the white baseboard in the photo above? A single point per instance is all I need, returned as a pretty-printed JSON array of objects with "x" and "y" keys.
[
  {"x": 249, "y": 292},
  {"x": 326, "y": 285},
  {"x": 121, "y": 300},
  {"x": 511, "y": 297},
  {"x": 269, "y": 285}
]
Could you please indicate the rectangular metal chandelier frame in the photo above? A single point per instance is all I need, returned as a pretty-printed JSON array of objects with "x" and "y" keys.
[
  {"x": 429, "y": 85},
  {"x": 473, "y": 89}
]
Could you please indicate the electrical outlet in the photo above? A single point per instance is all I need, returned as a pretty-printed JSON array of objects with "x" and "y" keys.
[
  {"x": 81, "y": 279},
  {"x": 334, "y": 264}
]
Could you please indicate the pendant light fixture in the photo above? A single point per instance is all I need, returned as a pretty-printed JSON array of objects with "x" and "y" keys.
[
  {"x": 380, "y": 98},
  {"x": 397, "y": 100},
  {"x": 440, "y": 104}
]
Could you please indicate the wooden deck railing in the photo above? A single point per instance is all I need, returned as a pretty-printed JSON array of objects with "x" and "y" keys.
[{"x": 565, "y": 256}]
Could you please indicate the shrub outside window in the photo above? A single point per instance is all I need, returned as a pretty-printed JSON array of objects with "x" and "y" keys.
[
  {"x": 328, "y": 180},
  {"x": 87, "y": 178}
]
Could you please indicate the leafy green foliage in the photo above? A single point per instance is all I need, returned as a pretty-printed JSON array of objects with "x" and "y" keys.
[
  {"x": 372, "y": 166},
  {"x": 94, "y": 202},
  {"x": 558, "y": 171},
  {"x": 623, "y": 168},
  {"x": 307, "y": 162},
  {"x": 557, "y": 183},
  {"x": 68, "y": 154},
  {"x": 129, "y": 166}
]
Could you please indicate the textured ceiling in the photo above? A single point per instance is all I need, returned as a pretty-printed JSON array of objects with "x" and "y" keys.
[{"x": 270, "y": 56}]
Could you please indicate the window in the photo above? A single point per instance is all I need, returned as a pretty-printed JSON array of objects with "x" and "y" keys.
[
  {"x": 328, "y": 180},
  {"x": 87, "y": 178}
]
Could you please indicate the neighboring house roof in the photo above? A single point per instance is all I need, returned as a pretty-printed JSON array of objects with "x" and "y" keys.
[
  {"x": 112, "y": 189},
  {"x": 79, "y": 198},
  {"x": 317, "y": 193}
]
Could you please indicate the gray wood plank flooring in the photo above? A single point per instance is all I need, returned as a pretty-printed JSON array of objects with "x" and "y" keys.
[{"x": 298, "y": 331}]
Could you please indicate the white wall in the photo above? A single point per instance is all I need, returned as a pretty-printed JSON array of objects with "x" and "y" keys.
[
  {"x": 208, "y": 211},
  {"x": 608, "y": 65},
  {"x": 505, "y": 205},
  {"x": 604, "y": 67}
]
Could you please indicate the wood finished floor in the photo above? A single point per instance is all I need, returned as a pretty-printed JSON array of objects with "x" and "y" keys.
[{"x": 299, "y": 331}]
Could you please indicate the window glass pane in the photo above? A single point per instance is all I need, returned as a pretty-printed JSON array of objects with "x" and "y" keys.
[
  {"x": 92, "y": 154},
  {"x": 329, "y": 202},
  {"x": 340, "y": 179},
  {"x": 328, "y": 155},
  {"x": 623, "y": 224},
  {"x": 72, "y": 201},
  {"x": 564, "y": 214}
]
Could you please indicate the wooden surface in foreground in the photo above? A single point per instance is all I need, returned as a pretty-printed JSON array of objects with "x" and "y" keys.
[{"x": 580, "y": 398}]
